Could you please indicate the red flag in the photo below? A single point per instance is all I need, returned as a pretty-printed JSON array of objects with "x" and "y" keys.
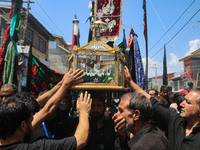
[
  {"x": 145, "y": 21},
  {"x": 75, "y": 34}
]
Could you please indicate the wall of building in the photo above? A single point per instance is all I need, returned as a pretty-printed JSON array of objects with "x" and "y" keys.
[
  {"x": 189, "y": 71},
  {"x": 195, "y": 68},
  {"x": 157, "y": 83},
  {"x": 58, "y": 59},
  {"x": 36, "y": 36}
]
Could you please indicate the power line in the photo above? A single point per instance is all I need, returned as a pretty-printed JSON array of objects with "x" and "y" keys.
[
  {"x": 172, "y": 25},
  {"x": 176, "y": 33},
  {"x": 52, "y": 21},
  {"x": 43, "y": 20}
]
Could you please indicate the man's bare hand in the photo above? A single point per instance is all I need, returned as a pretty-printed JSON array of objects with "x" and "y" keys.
[
  {"x": 127, "y": 74},
  {"x": 119, "y": 124},
  {"x": 83, "y": 104},
  {"x": 72, "y": 78}
]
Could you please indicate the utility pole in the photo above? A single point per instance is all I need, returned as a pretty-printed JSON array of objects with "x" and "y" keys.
[
  {"x": 26, "y": 23},
  {"x": 156, "y": 81},
  {"x": 22, "y": 43},
  {"x": 156, "y": 76}
]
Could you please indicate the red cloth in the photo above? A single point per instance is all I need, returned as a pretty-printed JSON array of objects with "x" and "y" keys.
[
  {"x": 129, "y": 41},
  {"x": 112, "y": 15},
  {"x": 2, "y": 53},
  {"x": 73, "y": 40},
  {"x": 183, "y": 92}
]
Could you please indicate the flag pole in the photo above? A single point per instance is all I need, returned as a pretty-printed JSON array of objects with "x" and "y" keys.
[{"x": 146, "y": 41}]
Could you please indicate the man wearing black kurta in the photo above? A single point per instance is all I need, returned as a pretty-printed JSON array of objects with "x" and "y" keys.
[{"x": 184, "y": 130}]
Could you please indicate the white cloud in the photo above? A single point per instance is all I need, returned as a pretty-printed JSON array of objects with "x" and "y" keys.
[
  {"x": 155, "y": 67},
  {"x": 174, "y": 66},
  {"x": 173, "y": 59},
  {"x": 194, "y": 45}
]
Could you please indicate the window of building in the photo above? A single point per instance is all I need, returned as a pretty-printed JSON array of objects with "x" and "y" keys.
[
  {"x": 29, "y": 35},
  {"x": 42, "y": 46},
  {"x": 52, "y": 45}
]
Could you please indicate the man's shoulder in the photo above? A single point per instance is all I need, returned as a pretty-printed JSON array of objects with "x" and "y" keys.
[
  {"x": 144, "y": 138},
  {"x": 66, "y": 143},
  {"x": 15, "y": 146}
]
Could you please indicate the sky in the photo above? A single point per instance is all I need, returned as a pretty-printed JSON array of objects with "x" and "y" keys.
[{"x": 182, "y": 17}]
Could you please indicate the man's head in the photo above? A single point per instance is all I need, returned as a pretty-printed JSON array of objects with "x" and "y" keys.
[
  {"x": 164, "y": 91},
  {"x": 190, "y": 107},
  {"x": 8, "y": 90},
  {"x": 29, "y": 100},
  {"x": 190, "y": 84},
  {"x": 15, "y": 118},
  {"x": 153, "y": 92},
  {"x": 98, "y": 105},
  {"x": 134, "y": 107}
]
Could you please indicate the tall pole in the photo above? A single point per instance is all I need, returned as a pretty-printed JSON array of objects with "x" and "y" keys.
[
  {"x": 26, "y": 22},
  {"x": 156, "y": 76},
  {"x": 146, "y": 40}
]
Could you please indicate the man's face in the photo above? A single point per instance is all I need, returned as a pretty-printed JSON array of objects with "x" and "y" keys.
[
  {"x": 97, "y": 109},
  {"x": 6, "y": 92},
  {"x": 189, "y": 107},
  {"x": 123, "y": 110},
  {"x": 152, "y": 93},
  {"x": 164, "y": 93}
]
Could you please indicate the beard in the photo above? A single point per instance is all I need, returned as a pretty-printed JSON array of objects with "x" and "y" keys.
[
  {"x": 27, "y": 135},
  {"x": 97, "y": 116},
  {"x": 59, "y": 115}
]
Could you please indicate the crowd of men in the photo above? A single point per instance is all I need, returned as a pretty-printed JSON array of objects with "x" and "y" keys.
[{"x": 149, "y": 120}]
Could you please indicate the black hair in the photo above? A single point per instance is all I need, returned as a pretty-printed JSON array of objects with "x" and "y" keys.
[
  {"x": 98, "y": 95},
  {"x": 164, "y": 87},
  {"x": 190, "y": 84},
  {"x": 29, "y": 100},
  {"x": 140, "y": 102},
  {"x": 169, "y": 88},
  {"x": 12, "y": 113}
]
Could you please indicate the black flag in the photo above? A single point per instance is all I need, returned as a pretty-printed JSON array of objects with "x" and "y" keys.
[
  {"x": 123, "y": 47},
  {"x": 165, "y": 80},
  {"x": 131, "y": 57},
  {"x": 91, "y": 18},
  {"x": 146, "y": 40}
]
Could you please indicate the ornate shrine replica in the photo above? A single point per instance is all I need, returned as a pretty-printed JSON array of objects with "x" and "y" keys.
[{"x": 103, "y": 66}]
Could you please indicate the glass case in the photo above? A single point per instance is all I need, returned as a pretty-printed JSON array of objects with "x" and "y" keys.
[{"x": 103, "y": 66}]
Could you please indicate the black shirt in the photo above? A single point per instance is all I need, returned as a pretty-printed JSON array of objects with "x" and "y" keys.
[
  {"x": 64, "y": 144},
  {"x": 56, "y": 129},
  {"x": 175, "y": 126},
  {"x": 102, "y": 138},
  {"x": 150, "y": 137}
]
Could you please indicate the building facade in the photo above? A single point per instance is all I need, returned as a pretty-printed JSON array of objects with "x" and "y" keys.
[
  {"x": 157, "y": 82},
  {"x": 191, "y": 68},
  {"x": 58, "y": 52},
  {"x": 36, "y": 35}
]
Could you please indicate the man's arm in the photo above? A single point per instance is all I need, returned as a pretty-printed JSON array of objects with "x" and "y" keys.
[
  {"x": 46, "y": 96},
  {"x": 83, "y": 108},
  {"x": 162, "y": 115},
  {"x": 133, "y": 85},
  {"x": 52, "y": 104}
]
